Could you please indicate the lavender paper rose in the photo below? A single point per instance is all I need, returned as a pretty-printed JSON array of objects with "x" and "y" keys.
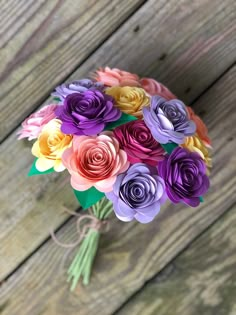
[
  {"x": 87, "y": 113},
  {"x": 78, "y": 86},
  {"x": 138, "y": 194},
  {"x": 168, "y": 121},
  {"x": 184, "y": 173}
]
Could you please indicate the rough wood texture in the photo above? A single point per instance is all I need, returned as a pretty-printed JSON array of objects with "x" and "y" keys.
[
  {"x": 202, "y": 280},
  {"x": 42, "y": 42},
  {"x": 184, "y": 44},
  {"x": 24, "y": 200},
  {"x": 130, "y": 254}
]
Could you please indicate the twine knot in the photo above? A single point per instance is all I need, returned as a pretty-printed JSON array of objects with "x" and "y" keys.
[{"x": 83, "y": 228}]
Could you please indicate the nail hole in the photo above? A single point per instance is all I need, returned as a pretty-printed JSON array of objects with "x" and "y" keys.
[
  {"x": 230, "y": 139},
  {"x": 136, "y": 29},
  {"x": 188, "y": 90},
  {"x": 163, "y": 56}
]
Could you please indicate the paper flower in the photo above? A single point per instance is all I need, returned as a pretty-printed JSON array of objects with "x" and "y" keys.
[
  {"x": 129, "y": 100},
  {"x": 168, "y": 120},
  {"x": 87, "y": 113},
  {"x": 137, "y": 141},
  {"x": 50, "y": 146},
  {"x": 116, "y": 77},
  {"x": 78, "y": 86},
  {"x": 201, "y": 127},
  {"x": 195, "y": 144},
  {"x": 95, "y": 161},
  {"x": 138, "y": 194},
  {"x": 156, "y": 88},
  {"x": 33, "y": 125},
  {"x": 184, "y": 173}
]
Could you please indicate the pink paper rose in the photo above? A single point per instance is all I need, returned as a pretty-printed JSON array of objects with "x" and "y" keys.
[
  {"x": 138, "y": 143},
  {"x": 95, "y": 161},
  {"x": 156, "y": 88},
  {"x": 116, "y": 77},
  {"x": 33, "y": 125}
]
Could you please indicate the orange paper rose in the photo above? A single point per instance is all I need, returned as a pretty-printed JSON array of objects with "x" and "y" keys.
[
  {"x": 129, "y": 100},
  {"x": 95, "y": 161},
  {"x": 50, "y": 145},
  {"x": 111, "y": 77},
  {"x": 201, "y": 127}
]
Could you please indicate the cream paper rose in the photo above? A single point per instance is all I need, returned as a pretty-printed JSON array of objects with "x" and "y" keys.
[{"x": 49, "y": 147}]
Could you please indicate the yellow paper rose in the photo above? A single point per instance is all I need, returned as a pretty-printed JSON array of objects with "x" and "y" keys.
[
  {"x": 50, "y": 145},
  {"x": 129, "y": 100},
  {"x": 195, "y": 144}
]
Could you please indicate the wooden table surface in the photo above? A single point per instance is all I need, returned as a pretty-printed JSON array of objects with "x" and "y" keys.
[{"x": 184, "y": 262}]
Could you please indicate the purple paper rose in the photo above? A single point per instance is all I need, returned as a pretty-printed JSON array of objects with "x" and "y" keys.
[
  {"x": 184, "y": 173},
  {"x": 77, "y": 86},
  {"x": 87, "y": 113},
  {"x": 138, "y": 194},
  {"x": 168, "y": 121}
]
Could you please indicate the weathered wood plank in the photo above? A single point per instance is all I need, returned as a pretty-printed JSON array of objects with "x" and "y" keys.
[
  {"x": 130, "y": 254},
  {"x": 25, "y": 220},
  {"x": 184, "y": 44},
  {"x": 202, "y": 280},
  {"x": 42, "y": 42}
]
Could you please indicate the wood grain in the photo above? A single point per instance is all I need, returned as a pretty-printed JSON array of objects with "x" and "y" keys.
[
  {"x": 132, "y": 253},
  {"x": 42, "y": 42},
  {"x": 30, "y": 206},
  {"x": 184, "y": 44},
  {"x": 202, "y": 280}
]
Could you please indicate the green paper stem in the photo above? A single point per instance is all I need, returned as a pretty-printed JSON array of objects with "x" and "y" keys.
[{"x": 82, "y": 264}]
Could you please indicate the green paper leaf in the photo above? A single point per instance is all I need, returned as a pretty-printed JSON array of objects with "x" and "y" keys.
[
  {"x": 201, "y": 199},
  {"x": 88, "y": 197},
  {"x": 56, "y": 99},
  {"x": 33, "y": 171},
  {"x": 125, "y": 118},
  {"x": 169, "y": 147}
]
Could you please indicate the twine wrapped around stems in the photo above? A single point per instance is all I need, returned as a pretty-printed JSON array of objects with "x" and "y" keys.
[{"x": 88, "y": 239}]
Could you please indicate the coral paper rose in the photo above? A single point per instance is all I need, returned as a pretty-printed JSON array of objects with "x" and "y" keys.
[
  {"x": 137, "y": 141},
  {"x": 138, "y": 194},
  {"x": 129, "y": 100},
  {"x": 201, "y": 127},
  {"x": 111, "y": 77},
  {"x": 156, "y": 88},
  {"x": 95, "y": 161},
  {"x": 49, "y": 147},
  {"x": 87, "y": 113},
  {"x": 33, "y": 125},
  {"x": 184, "y": 173},
  {"x": 168, "y": 120}
]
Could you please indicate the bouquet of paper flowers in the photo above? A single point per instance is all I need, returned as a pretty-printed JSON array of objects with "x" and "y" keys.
[{"x": 128, "y": 145}]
